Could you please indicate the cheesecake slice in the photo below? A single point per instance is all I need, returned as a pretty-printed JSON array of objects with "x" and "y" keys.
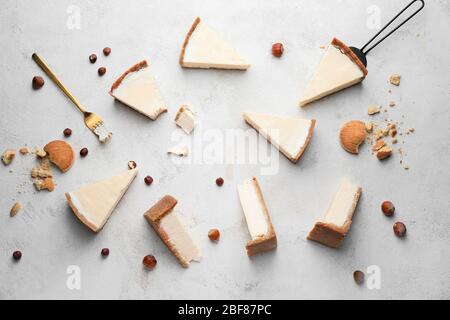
[
  {"x": 186, "y": 119},
  {"x": 289, "y": 135},
  {"x": 94, "y": 203},
  {"x": 340, "y": 68},
  {"x": 332, "y": 230},
  {"x": 137, "y": 89},
  {"x": 204, "y": 48},
  {"x": 257, "y": 217},
  {"x": 167, "y": 223}
]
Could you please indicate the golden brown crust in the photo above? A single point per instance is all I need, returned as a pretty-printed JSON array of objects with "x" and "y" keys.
[
  {"x": 186, "y": 40},
  {"x": 61, "y": 154},
  {"x": 308, "y": 139},
  {"x": 136, "y": 67},
  {"x": 269, "y": 240},
  {"x": 154, "y": 216},
  {"x": 80, "y": 217},
  {"x": 350, "y": 54},
  {"x": 352, "y": 135},
  {"x": 331, "y": 235}
]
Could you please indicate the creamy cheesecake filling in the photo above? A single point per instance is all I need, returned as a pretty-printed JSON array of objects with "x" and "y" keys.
[
  {"x": 185, "y": 119},
  {"x": 206, "y": 49},
  {"x": 253, "y": 208},
  {"x": 179, "y": 236},
  {"x": 139, "y": 91},
  {"x": 343, "y": 205},
  {"x": 336, "y": 71}
]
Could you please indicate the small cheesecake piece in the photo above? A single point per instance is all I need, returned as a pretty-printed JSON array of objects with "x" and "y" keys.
[
  {"x": 204, "y": 48},
  {"x": 290, "y": 136},
  {"x": 180, "y": 150},
  {"x": 257, "y": 216},
  {"x": 332, "y": 230},
  {"x": 137, "y": 89},
  {"x": 340, "y": 68},
  {"x": 167, "y": 223},
  {"x": 93, "y": 204},
  {"x": 185, "y": 119}
]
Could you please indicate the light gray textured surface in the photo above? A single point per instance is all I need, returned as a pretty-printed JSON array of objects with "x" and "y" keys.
[{"x": 51, "y": 238}]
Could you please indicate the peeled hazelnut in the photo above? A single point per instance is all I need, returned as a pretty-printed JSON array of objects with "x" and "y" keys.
[
  {"x": 149, "y": 261},
  {"x": 214, "y": 234},
  {"x": 399, "y": 229},
  {"x": 8, "y": 156},
  {"x": 101, "y": 71},
  {"x": 106, "y": 51},
  {"x": 388, "y": 208},
  {"x": 277, "y": 49},
  {"x": 352, "y": 134},
  {"x": 38, "y": 82},
  {"x": 132, "y": 165},
  {"x": 60, "y": 154},
  {"x": 358, "y": 276},
  {"x": 93, "y": 58},
  {"x": 219, "y": 182}
]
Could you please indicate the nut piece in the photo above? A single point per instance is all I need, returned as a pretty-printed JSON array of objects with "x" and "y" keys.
[
  {"x": 84, "y": 152},
  {"x": 388, "y": 208},
  {"x": 101, "y": 71},
  {"x": 24, "y": 150},
  {"x": 214, "y": 234},
  {"x": 67, "y": 132},
  {"x": 132, "y": 165},
  {"x": 395, "y": 79},
  {"x": 378, "y": 145},
  {"x": 277, "y": 49},
  {"x": 373, "y": 110},
  {"x": 60, "y": 154},
  {"x": 40, "y": 152},
  {"x": 399, "y": 229},
  {"x": 149, "y": 261},
  {"x": 148, "y": 180},
  {"x": 384, "y": 153},
  {"x": 105, "y": 252},
  {"x": 219, "y": 182},
  {"x": 15, "y": 209},
  {"x": 352, "y": 134},
  {"x": 358, "y": 276},
  {"x": 106, "y": 51},
  {"x": 38, "y": 82},
  {"x": 93, "y": 58},
  {"x": 8, "y": 156}
]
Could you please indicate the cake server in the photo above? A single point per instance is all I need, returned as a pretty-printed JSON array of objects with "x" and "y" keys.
[
  {"x": 361, "y": 53},
  {"x": 92, "y": 120}
]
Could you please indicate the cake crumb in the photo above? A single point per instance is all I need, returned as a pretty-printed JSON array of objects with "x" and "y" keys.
[
  {"x": 373, "y": 110},
  {"x": 395, "y": 79}
]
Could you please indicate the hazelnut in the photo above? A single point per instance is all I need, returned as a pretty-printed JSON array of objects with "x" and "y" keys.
[
  {"x": 399, "y": 229},
  {"x": 132, "y": 165},
  {"x": 148, "y": 180},
  {"x": 219, "y": 182},
  {"x": 214, "y": 234},
  {"x": 101, "y": 71},
  {"x": 388, "y": 208},
  {"x": 67, "y": 132},
  {"x": 106, "y": 51},
  {"x": 93, "y": 58},
  {"x": 84, "y": 152},
  {"x": 38, "y": 82},
  {"x": 358, "y": 276},
  {"x": 105, "y": 252},
  {"x": 17, "y": 255},
  {"x": 15, "y": 209},
  {"x": 149, "y": 261},
  {"x": 277, "y": 49}
]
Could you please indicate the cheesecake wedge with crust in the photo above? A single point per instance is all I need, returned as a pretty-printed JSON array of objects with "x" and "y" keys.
[
  {"x": 204, "y": 48},
  {"x": 340, "y": 68},
  {"x": 291, "y": 136},
  {"x": 332, "y": 230},
  {"x": 137, "y": 89},
  {"x": 257, "y": 216},
  {"x": 93, "y": 204},
  {"x": 167, "y": 223}
]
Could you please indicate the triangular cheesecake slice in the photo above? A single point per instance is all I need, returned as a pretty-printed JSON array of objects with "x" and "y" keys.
[
  {"x": 289, "y": 135},
  {"x": 204, "y": 48},
  {"x": 340, "y": 68},
  {"x": 137, "y": 89},
  {"x": 94, "y": 203}
]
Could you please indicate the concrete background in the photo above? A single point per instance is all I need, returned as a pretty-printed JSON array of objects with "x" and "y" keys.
[{"x": 51, "y": 238}]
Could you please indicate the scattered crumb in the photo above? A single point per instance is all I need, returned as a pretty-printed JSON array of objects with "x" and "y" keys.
[
  {"x": 369, "y": 127},
  {"x": 373, "y": 110},
  {"x": 384, "y": 153},
  {"x": 8, "y": 156},
  {"x": 39, "y": 152},
  {"x": 378, "y": 145},
  {"x": 42, "y": 175},
  {"x": 406, "y": 167},
  {"x": 390, "y": 91},
  {"x": 395, "y": 79},
  {"x": 412, "y": 130},
  {"x": 392, "y": 104},
  {"x": 15, "y": 209},
  {"x": 385, "y": 110},
  {"x": 322, "y": 47},
  {"x": 24, "y": 150},
  {"x": 394, "y": 141}
]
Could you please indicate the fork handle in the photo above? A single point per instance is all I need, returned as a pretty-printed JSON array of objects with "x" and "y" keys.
[{"x": 55, "y": 79}]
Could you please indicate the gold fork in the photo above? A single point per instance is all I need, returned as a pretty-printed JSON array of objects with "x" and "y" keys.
[{"x": 92, "y": 120}]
